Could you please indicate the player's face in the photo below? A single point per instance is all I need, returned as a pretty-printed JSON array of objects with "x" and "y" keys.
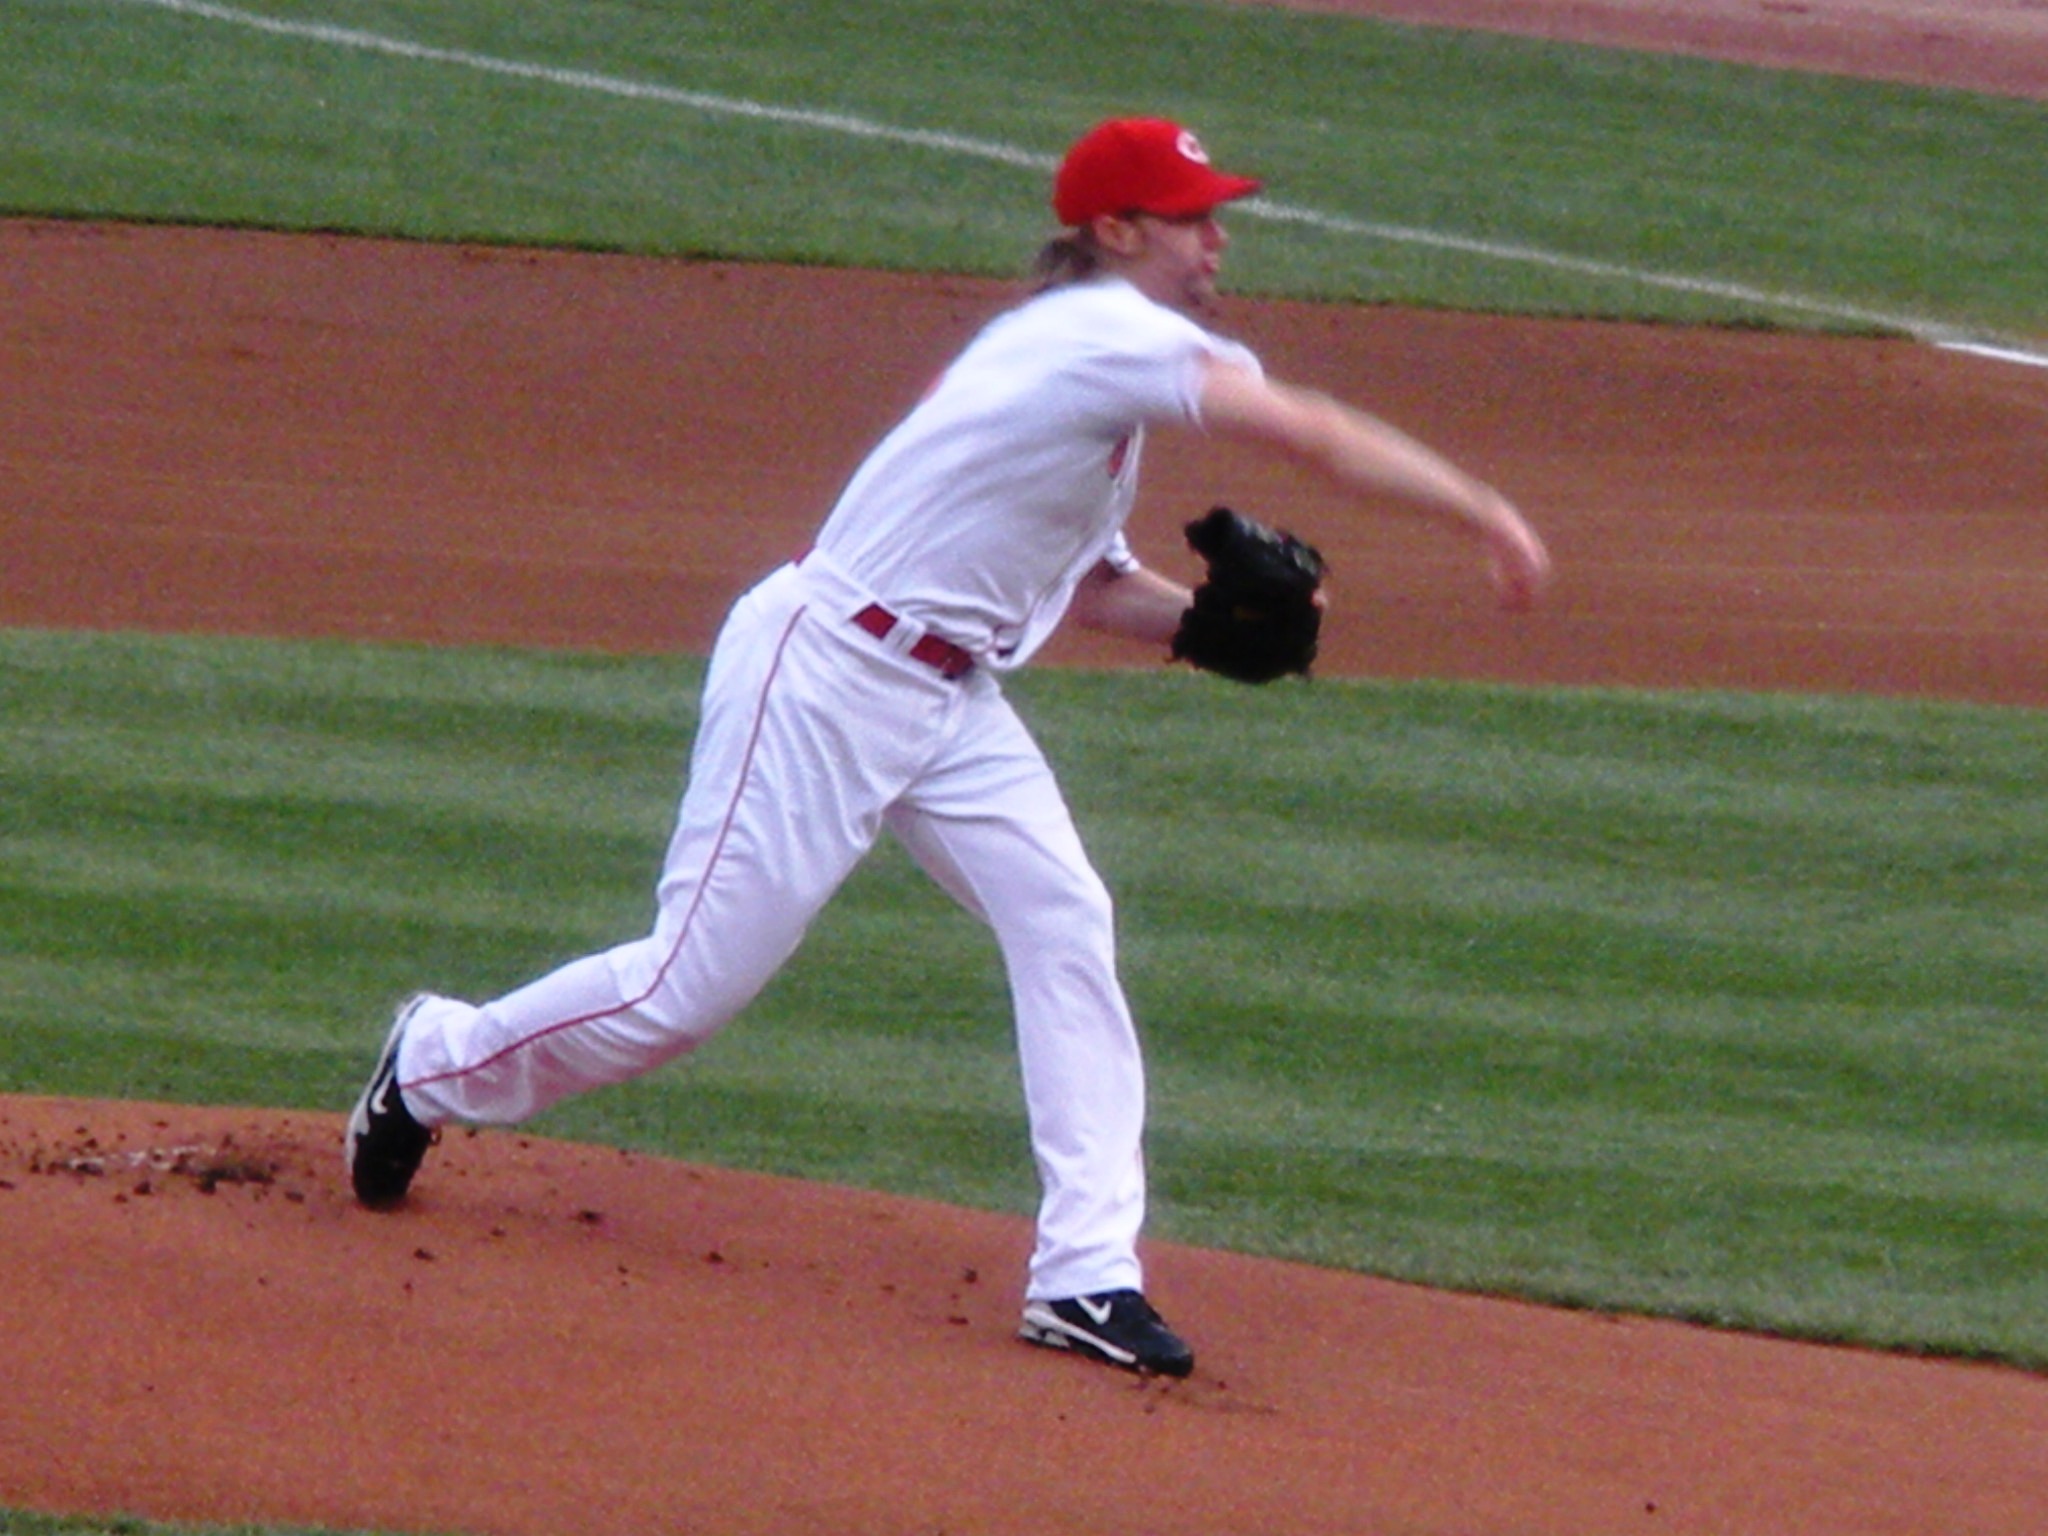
[{"x": 1176, "y": 260}]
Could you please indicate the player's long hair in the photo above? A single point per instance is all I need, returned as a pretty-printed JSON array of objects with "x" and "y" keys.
[{"x": 1070, "y": 258}]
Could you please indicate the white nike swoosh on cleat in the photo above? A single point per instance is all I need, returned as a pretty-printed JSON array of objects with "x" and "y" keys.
[{"x": 1097, "y": 1311}]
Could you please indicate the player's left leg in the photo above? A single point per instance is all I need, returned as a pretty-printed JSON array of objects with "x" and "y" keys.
[{"x": 988, "y": 823}]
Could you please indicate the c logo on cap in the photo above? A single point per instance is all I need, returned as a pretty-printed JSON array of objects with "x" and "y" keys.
[{"x": 1191, "y": 148}]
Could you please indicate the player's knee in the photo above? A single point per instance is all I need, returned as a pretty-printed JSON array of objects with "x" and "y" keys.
[{"x": 1076, "y": 909}]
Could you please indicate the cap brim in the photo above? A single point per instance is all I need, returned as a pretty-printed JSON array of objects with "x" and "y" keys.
[{"x": 1217, "y": 190}]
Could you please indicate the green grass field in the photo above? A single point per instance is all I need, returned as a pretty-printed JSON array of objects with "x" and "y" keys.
[
  {"x": 1708, "y": 1005},
  {"x": 1714, "y": 1006},
  {"x": 775, "y": 129}
]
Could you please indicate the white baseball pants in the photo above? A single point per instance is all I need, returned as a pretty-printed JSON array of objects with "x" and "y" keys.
[{"x": 814, "y": 737}]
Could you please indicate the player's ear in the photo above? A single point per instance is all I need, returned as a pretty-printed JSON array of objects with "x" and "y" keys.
[{"x": 1119, "y": 234}]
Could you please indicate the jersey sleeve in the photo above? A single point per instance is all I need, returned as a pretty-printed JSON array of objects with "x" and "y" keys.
[
  {"x": 1148, "y": 367},
  {"x": 1223, "y": 352}
]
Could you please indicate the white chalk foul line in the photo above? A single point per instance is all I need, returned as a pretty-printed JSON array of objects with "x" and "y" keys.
[
  {"x": 2002, "y": 354},
  {"x": 605, "y": 85},
  {"x": 1006, "y": 154},
  {"x": 1528, "y": 255}
]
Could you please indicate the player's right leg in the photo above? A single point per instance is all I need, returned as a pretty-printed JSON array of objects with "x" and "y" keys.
[{"x": 808, "y": 732}]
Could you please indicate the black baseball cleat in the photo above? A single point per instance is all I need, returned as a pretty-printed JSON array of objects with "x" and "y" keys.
[
  {"x": 1119, "y": 1327},
  {"x": 384, "y": 1145}
]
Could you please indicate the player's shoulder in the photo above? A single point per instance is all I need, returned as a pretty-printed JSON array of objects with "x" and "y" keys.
[
  {"x": 1105, "y": 295},
  {"x": 1110, "y": 313}
]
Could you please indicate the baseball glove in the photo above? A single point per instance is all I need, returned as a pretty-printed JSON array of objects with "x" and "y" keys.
[{"x": 1256, "y": 615}]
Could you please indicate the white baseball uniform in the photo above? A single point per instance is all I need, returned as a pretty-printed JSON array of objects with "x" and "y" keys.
[{"x": 854, "y": 690}]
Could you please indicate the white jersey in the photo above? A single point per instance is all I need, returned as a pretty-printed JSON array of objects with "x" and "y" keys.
[{"x": 979, "y": 514}]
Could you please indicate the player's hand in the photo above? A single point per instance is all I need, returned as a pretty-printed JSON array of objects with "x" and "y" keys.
[{"x": 1520, "y": 563}]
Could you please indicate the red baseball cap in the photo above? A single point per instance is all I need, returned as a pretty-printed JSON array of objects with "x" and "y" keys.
[{"x": 1140, "y": 165}]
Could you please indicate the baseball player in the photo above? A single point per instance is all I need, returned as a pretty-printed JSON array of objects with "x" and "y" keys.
[{"x": 857, "y": 690}]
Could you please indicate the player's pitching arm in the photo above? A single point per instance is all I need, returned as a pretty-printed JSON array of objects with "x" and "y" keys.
[{"x": 1375, "y": 460}]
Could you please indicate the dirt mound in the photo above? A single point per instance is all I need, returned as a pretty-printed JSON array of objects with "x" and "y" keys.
[{"x": 551, "y": 1338}]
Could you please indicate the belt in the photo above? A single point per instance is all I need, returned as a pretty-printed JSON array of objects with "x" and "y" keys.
[{"x": 942, "y": 656}]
